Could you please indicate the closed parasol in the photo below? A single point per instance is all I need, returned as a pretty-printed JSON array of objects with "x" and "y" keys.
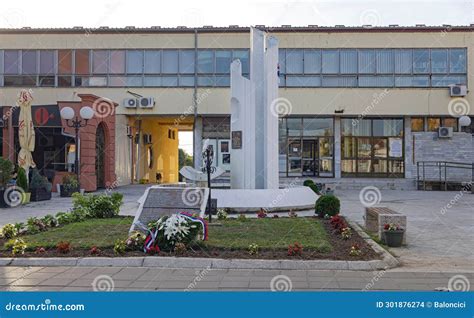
[{"x": 26, "y": 131}]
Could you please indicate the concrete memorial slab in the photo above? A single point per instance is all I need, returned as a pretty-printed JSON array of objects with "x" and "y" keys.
[{"x": 166, "y": 200}]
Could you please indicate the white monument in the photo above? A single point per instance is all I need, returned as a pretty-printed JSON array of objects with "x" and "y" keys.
[{"x": 254, "y": 124}]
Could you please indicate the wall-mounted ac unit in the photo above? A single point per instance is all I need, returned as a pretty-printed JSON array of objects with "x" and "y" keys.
[
  {"x": 147, "y": 102},
  {"x": 130, "y": 102},
  {"x": 445, "y": 132},
  {"x": 457, "y": 90},
  {"x": 147, "y": 139}
]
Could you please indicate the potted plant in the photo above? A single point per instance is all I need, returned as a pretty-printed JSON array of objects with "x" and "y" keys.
[
  {"x": 22, "y": 183},
  {"x": 40, "y": 187},
  {"x": 70, "y": 185},
  {"x": 6, "y": 169},
  {"x": 392, "y": 235}
]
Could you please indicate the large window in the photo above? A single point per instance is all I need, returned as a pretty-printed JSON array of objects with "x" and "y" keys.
[
  {"x": 372, "y": 147},
  {"x": 372, "y": 67},
  {"x": 306, "y": 146}
]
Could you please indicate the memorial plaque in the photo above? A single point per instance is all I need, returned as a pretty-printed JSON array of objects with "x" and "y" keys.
[{"x": 237, "y": 139}]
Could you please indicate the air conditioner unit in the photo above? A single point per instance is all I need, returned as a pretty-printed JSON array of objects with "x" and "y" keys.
[
  {"x": 130, "y": 103},
  {"x": 445, "y": 132},
  {"x": 147, "y": 102},
  {"x": 147, "y": 139},
  {"x": 458, "y": 90}
]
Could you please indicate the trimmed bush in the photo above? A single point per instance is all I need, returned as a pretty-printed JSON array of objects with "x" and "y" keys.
[
  {"x": 327, "y": 204},
  {"x": 308, "y": 182},
  {"x": 96, "y": 206},
  {"x": 21, "y": 180}
]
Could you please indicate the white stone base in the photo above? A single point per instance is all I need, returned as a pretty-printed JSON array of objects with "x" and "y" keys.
[{"x": 250, "y": 200}]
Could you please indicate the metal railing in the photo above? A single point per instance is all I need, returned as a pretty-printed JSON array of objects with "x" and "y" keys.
[{"x": 439, "y": 172}]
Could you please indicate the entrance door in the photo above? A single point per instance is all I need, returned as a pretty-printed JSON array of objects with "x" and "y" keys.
[
  {"x": 100, "y": 156},
  {"x": 309, "y": 160}
]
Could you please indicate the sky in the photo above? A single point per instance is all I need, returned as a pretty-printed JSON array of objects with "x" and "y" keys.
[
  {"x": 145, "y": 13},
  {"x": 120, "y": 13}
]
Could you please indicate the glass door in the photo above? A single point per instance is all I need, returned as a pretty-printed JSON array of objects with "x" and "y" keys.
[
  {"x": 294, "y": 157},
  {"x": 309, "y": 158}
]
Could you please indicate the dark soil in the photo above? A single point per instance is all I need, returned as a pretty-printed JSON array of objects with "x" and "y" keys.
[{"x": 340, "y": 251}]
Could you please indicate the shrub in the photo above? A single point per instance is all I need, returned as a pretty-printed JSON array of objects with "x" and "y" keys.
[
  {"x": 63, "y": 217},
  {"x": 242, "y": 217},
  {"x": 346, "y": 233},
  {"x": 327, "y": 204},
  {"x": 96, "y": 206},
  {"x": 17, "y": 246},
  {"x": 50, "y": 221},
  {"x": 253, "y": 249},
  {"x": 94, "y": 250},
  {"x": 22, "y": 180},
  {"x": 120, "y": 247},
  {"x": 308, "y": 182},
  {"x": 180, "y": 249},
  {"x": 6, "y": 169},
  {"x": 35, "y": 225},
  {"x": 39, "y": 182},
  {"x": 20, "y": 227},
  {"x": 355, "y": 250},
  {"x": 40, "y": 250},
  {"x": 316, "y": 187},
  {"x": 8, "y": 231},
  {"x": 295, "y": 249},
  {"x": 70, "y": 183},
  {"x": 135, "y": 241},
  {"x": 64, "y": 247},
  {"x": 221, "y": 214},
  {"x": 338, "y": 223}
]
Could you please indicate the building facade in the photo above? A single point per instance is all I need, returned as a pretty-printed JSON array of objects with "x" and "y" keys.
[{"x": 355, "y": 102}]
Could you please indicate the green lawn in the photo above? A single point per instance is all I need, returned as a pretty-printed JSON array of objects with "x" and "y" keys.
[
  {"x": 268, "y": 233},
  {"x": 99, "y": 232}
]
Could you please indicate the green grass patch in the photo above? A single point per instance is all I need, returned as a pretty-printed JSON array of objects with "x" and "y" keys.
[
  {"x": 269, "y": 233},
  {"x": 99, "y": 232}
]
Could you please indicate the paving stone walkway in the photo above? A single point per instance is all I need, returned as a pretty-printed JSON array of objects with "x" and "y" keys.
[{"x": 141, "y": 279}]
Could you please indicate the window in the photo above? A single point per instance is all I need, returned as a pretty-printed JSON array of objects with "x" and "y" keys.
[
  {"x": 312, "y": 61},
  {"x": 366, "y": 61},
  {"x": 417, "y": 124},
  {"x": 100, "y": 61},
  {"x": 82, "y": 62},
  {"x": 11, "y": 62},
  {"x": 170, "y": 62},
  {"x": 421, "y": 61},
  {"x": 205, "y": 61},
  {"x": 450, "y": 122},
  {"x": 439, "y": 61},
  {"x": 385, "y": 61},
  {"x": 403, "y": 61},
  {"x": 186, "y": 62},
  {"x": 412, "y": 81},
  {"x": 348, "y": 61},
  {"x": 243, "y": 56},
  {"x": 457, "y": 61},
  {"x": 47, "y": 62},
  {"x": 134, "y": 62},
  {"x": 152, "y": 62},
  {"x": 65, "y": 62},
  {"x": 294, "y": 61},
  {"x": 446, "y": 80},
  {"x": 330, "y": 61},
  {"x": 223, "y": 60},
  {"x": 375, "y": 81},
  {"x": 28, "y": 62},
  {"x": 117, "y": 62},
  {"x": 433, "y": 123}
]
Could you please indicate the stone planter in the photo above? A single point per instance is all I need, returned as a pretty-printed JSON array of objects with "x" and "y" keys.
[
  {"x": 66, "y": 192},
  {"x": 40, "y": 195},
  {"x": 393, "y": 238},
  {"x": 26, "y": 198}
]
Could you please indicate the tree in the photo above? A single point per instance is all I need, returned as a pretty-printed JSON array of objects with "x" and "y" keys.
[{"x": 184, "y": 158}]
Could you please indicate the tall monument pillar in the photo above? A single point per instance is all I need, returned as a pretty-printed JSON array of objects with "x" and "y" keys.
[{"x": 254, "y": 118}]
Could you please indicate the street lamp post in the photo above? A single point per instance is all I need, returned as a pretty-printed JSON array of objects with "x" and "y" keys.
[
  {"x": 77, "y": 122},
  {"x": 207, "y": 155}
]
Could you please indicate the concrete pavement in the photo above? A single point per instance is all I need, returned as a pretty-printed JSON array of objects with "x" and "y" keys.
[{"x": 145, "y": 279}]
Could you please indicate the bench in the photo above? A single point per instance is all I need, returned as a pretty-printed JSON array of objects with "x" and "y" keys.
[{"x": 377, "y": 217}]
